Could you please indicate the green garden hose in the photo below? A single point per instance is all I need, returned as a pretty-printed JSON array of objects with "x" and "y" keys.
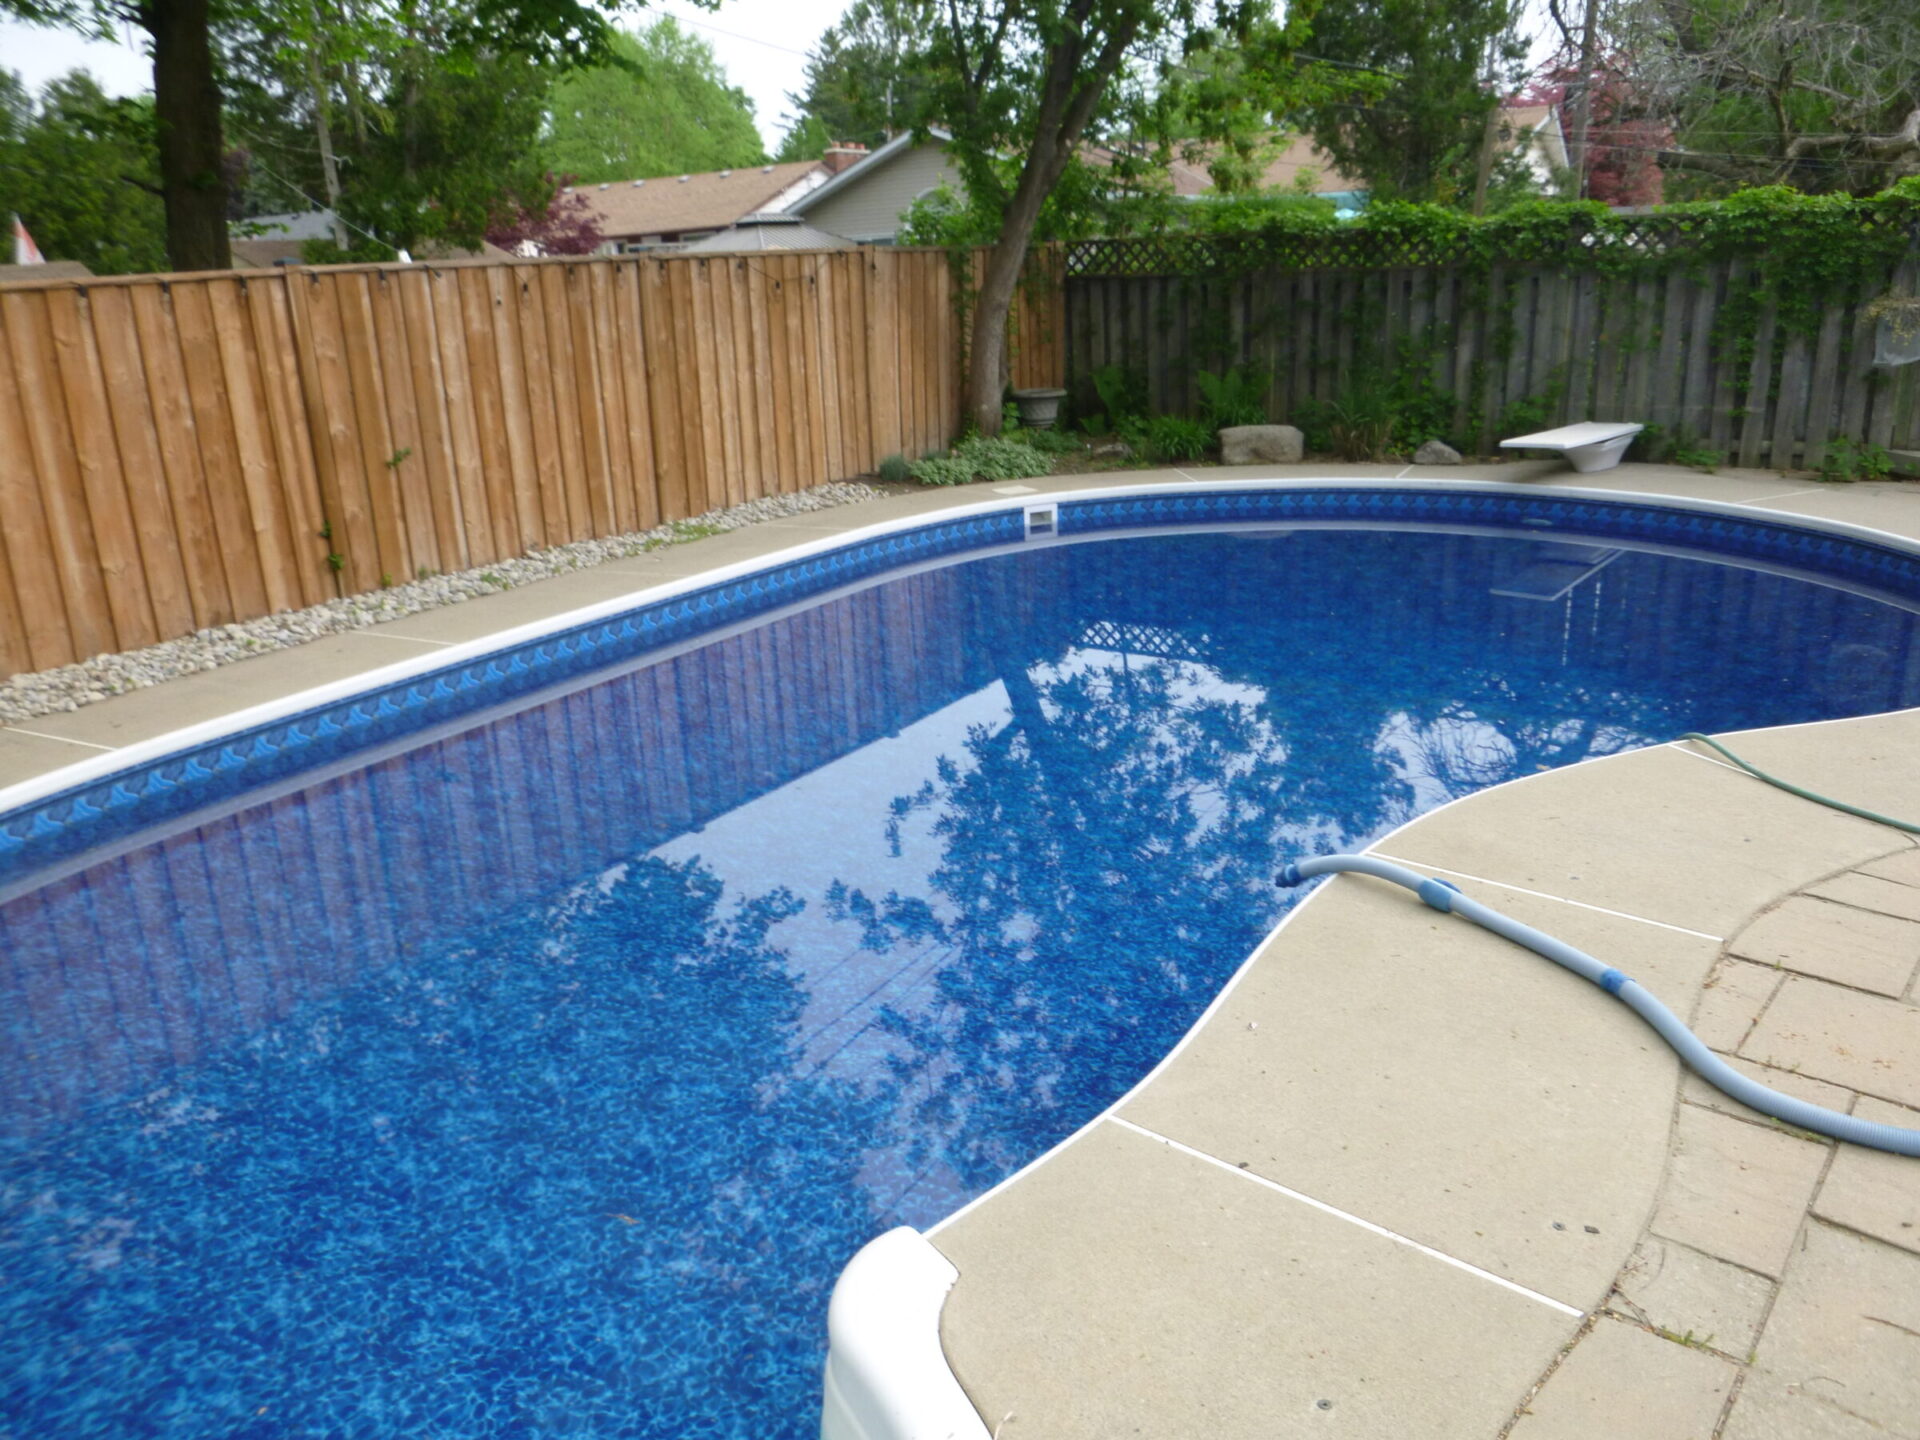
[{"x": 1815, "y": 796}]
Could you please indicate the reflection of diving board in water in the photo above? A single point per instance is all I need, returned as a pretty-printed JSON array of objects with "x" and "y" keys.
[
  {"x": 1556, "y": 570},
  {"x": 1590, "y": 445}
]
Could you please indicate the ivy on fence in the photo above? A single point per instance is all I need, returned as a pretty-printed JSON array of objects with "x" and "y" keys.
[{"x": 1804, "y": 249}]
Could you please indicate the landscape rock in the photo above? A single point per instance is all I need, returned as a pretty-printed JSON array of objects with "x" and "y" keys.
[
  {"x": 1262, "y": 445},
  {"x": 1436, "y": 452}
]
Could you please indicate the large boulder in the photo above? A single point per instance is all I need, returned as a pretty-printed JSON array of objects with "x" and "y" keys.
[
  {"x": 1436, "y": 452},
  {"x": 1262, "y": 445}
]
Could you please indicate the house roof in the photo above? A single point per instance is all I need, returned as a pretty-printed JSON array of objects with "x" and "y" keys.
[
  {"x": 860, "y": 170},
  {"x": 670, "y": 204},
  {"x": 769, "y": 232},
  {"x": 1297, "y": 156}
]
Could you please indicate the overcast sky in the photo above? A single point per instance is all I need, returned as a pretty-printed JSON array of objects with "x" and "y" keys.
[{"x": 762, "y": 45}]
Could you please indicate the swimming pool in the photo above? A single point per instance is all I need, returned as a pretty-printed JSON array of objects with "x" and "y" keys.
[{"x": 540, "y": 1076}]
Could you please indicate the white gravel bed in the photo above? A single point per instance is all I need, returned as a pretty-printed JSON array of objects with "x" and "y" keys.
[{"x": 68, "y": 687}]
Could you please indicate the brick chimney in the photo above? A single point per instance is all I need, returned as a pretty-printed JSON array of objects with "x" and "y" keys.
[{"x": 842, "y": 155}]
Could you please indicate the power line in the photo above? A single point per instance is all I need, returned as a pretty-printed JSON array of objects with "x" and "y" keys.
[{"x": 736, "y": 35}]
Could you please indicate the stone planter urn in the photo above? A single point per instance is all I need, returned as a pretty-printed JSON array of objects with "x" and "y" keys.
[{"x": 1038, "y": 408}]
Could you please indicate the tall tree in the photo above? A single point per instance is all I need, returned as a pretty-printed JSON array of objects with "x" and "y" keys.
[
  {"x": 78, "y": 168},
  {"x": 1823, "y": 95},
  {"x": 187, "y": 94},
  {"x": 865, "y": 78},
  {"x": 664, "y": 108},
  {"x": 1034, "y": 78},
  {"x": 1450, "y": 62}
]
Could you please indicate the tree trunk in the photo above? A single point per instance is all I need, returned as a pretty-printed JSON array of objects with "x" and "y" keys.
[
  {"x": 323, "y": 128},
  {"x": 986, "y": 357},
  {"x": 186, "y": 105},
  {"x": 1583, "y": 101},
  {"x": 1069, "y": 91}
]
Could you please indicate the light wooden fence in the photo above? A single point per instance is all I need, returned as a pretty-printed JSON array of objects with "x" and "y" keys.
[
  {"x": 1559, "y": 345},
  {"x": 183, "y": 451}
]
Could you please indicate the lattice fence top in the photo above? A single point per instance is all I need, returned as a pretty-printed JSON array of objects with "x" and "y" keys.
[{"x": 1365, "y": 248}]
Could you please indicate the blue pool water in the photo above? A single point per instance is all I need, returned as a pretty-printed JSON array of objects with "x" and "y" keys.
[{"x": 539, "y": 1077}]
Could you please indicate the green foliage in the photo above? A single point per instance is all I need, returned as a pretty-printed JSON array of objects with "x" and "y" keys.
[
  {"x": 79, "y": 169},
  {"x": 1378, "y": 415},
  {"x": 979, "y": 457},
  {"x": 1241, "y": 214},
  {"x": 462, "y": 151},
  {"x": 360, "y": 252},
  {"x": 1846, "y": 459},
  {"x": 866, "y": 78},
  {"x": 1047, "y": 442},
  {"x": 1361, "y": 424},
  {"x": 1658, "y": 445},
  {"x": 1696, "y": 456},
  {"x": 807, "y": 138},
  {"x": 1533, "y": 412},
  {"x": 1173, "y": 438},
  {"x": 663, "y": 108},
  {"x": 895, "y": 470},
  {"x": 1421, "y": 139},
  {"x": 1382, "y": 411},
  {"x": 1805, "y": 252},
  {"x": 1238, "y": 396},
  {"x": 1123, "y": 393}
]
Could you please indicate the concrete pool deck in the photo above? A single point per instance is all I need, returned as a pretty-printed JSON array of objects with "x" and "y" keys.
[{"x": 1406, "y": 1179}]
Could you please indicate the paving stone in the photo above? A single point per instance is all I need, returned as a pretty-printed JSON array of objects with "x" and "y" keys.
[
  {"x": 1846, "y": 1327},
  {"x": 1506, "y": 1106},
  {"x": 1121, "y": 1288},
  {"x": 1696, "y": 1091},
  {"x": 1769, "y": 1407},
  {"x": 1621, "y": 1380},
  {"x": 1903, "y": 866},
  {"x": 24, "y": 757},
  {"x": 1674, "y": 1287},
  {"x": 1726, "y": 845},
  {"x": 1861, "y": 1041},
  {"x": 1872, "y": 1190},
  {"x": 1836, "y": 942},
  {"x": 1871, "y": 892},
  {"x": 1735, "y": 1190},
  {"x": 1731, "y": 1000}
]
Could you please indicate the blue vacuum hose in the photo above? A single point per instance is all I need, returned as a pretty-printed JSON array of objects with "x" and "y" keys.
[{"x": 1702, "y": 1061}]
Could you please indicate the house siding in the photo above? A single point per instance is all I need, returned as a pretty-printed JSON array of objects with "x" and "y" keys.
[{"x": 869, "y": 208}]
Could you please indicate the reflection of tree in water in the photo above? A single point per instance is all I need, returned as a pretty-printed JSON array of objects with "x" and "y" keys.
[
  {"x": 1114, "y": 842},
  {"x": 568, "y": 1176},
  {"x": 1105, "y": 857}
]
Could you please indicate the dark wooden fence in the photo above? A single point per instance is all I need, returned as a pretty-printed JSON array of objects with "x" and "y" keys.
[{"x": 1684, "y": 348}]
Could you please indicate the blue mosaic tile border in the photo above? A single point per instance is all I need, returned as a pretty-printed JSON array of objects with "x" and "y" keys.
[
  {"x": 101, "y": 811},
  {"x": 1857, "y": 561}
]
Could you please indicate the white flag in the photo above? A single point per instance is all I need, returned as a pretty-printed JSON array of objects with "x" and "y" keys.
[{"x": 25, "y": 252}]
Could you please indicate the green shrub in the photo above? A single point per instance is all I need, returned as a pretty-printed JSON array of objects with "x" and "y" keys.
[
  {"x": 1174, "y": 438},
  {"x": 1361, "y": 425},
  {"x": 1238, "y": 397},
  {"x": 1047, "y": 442},
  {"x": 895, "y": 470},
  {"x": 1122, "y": 391},
  {"x": 1846, "y": 459},
  {"x": 980, "y": 458}
]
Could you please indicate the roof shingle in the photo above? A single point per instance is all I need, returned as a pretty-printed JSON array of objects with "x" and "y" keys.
[{"x": 671, "y": 204}]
